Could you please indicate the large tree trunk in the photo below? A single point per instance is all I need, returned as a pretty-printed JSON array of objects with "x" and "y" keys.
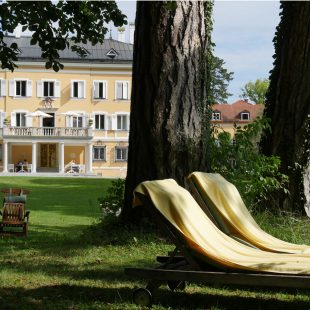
[
  {"x": 167, "y": 109},
  {"x": 288, "y": 100}
]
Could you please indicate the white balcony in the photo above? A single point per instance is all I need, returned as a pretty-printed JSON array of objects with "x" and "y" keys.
[{"x": 60, "y": 132}]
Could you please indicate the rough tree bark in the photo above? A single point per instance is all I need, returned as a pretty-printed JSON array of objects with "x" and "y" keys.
[
  {"x": 167, "y": 110},
  {"x": 288, "y": 101}
]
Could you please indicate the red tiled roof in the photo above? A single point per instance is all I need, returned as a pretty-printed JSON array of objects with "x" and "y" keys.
[{"x": 231, "y": 112}]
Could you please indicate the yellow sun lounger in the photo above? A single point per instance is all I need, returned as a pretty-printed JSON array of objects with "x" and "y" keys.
[
  {"x": 209, "y": 255},
  {"x": 222, "y": 202}
]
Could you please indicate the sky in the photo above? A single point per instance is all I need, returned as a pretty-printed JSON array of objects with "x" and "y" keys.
[{"x": 243, "y": 32}]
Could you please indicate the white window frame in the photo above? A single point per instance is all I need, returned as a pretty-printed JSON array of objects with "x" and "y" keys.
[
  {"x": 40, "y": 88},
  {"x": 242, "y": 115},
  {"x": 104, "y": 153},
  {"x": 25, "y": 118},
  {"x": 125, "y": 90},
  {"x": 105, "y": 90},
  {"x": 13, "y": 88},
  {"x": 105, "y": 121},
  {"x": 121, "y": 128},
  {"x": 122, "y": 148},
  {"x": 82, "y": 89},
  {"x": 216, "y": 116}
]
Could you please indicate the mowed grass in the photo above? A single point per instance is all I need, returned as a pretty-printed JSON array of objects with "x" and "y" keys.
[{"x": 71, "y": 261}]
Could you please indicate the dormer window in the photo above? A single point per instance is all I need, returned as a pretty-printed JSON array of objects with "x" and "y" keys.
[
  {"x": 216, "y": 116},
  {"x": 112, "y": 53},
  {"x": 244, "y": 116}
]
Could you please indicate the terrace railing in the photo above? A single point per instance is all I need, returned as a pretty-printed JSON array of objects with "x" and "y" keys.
[{"x": 47, "y": 132}]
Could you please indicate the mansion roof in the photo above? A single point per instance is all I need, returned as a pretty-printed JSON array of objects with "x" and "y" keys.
[{"x": 97, "y": 53}]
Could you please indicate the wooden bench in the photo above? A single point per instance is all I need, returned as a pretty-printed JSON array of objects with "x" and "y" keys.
[
  {"x": 14, "y": 191},
  {"x": 14, "y": 215}
]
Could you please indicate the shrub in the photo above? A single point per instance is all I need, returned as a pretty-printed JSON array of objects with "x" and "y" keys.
[
  {"x": 112, "y": 203},
  {"x": 239, "y": 160}
]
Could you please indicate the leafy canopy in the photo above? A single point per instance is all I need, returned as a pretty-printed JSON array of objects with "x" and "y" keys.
[
  {"x": 255, "y": 91},
  {"x": 55, "y": 26}
]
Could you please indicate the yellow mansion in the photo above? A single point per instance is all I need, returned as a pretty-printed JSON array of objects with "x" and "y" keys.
[{"x": 75, "y": 120}]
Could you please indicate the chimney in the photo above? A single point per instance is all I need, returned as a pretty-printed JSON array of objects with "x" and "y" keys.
[
  {"x": 131, "y": 32},
  {"x": 121, "y": 34}
]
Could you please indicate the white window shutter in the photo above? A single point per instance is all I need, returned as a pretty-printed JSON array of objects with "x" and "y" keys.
[
  {"x": 57, "y": 89},
  {"x": 95, "y": 89},
  {"x": 3, "y": 88},
  {"x": 104, "y": 90},
  {"x": 71, "y": 89},
  {"x": 28, "y": 121},
  {"x": 114, "y": 122},
  {"x": 12, "y": 88},
  {"x": 128, "y": 122},
  {"x": 29, "y": 88},
  {"x": 68, "y": 121},
  {"x": 39, "y": 89},
  {"x": 84, "y": 89},
  {"x": 125, "y": 90},
  {"x": 106, "y": 122},
  {"x": 119, "y": 89},
  {"x": 13, "y": 119},
  {"x": 2, "y": 118}
]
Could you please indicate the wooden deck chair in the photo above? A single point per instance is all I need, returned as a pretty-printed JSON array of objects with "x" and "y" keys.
[
  {"x": 14, "y": 216},
  {"x": 221, "y": 201},
  {"x": 204, "y": 253}
]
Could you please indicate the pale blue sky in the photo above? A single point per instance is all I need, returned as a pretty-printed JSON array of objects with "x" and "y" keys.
[{"x": 243, "y": 34}]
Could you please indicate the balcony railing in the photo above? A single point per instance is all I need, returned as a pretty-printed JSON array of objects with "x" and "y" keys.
[{"x": 47, "y": 132}]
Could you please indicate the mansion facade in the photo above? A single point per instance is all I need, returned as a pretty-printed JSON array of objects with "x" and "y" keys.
[{"x": 77, "y": 116}]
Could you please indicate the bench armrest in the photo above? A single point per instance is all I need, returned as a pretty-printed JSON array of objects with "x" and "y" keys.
[{"x": 27, "y": 215}]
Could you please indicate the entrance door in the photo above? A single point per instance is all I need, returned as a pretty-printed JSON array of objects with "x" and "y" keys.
[
  {"x": 48, "y": 155},
  {"x": 49, "y": 121}
]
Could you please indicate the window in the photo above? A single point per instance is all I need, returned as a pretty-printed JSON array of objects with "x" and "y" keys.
[
  {"x": 121, "y": 153},
  {"x": 216, "y": 116},
  {"x": 77, "y": 121},
  {"x": 122, "y": 122},
  {"x": 122, "y": 90},
  {"x": 21, "y": 119},
  {"x": 244, "y": 116},
  {"x": 100, "y": 121},
  {"x": 78, "y": 89},
  {"x": 100, "y": 90},
  {"x": 20, "y": 88},
  {"x": 99, "y": 153},
  {"x": 48, "y": 89}
]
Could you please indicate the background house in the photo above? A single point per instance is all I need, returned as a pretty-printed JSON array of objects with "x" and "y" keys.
[{"x": 240, "y": 113}]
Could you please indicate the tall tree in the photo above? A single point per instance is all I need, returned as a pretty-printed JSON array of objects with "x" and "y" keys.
[
  {"x": 219, "y": 81},
  {"x": 167, "y": 133},
  {"x": 218, "y": 77},
  {"x": 55, "y": 26},
  {"x": 255, "y": 91},
  {"x": 288, "y": 100}
]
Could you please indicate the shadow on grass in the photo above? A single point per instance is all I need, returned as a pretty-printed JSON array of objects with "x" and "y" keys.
[{"x": 75, "y": 296}]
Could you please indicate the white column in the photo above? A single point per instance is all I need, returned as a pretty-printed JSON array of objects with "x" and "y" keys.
[
  {"x": 5, "y": 157},
  {"x": 89, "y": 157},
  {"x": 61, "y": 157},
  {"x": 34, "y": 157}
]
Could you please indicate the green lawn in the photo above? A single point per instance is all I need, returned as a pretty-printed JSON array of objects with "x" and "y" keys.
[{"x": 70, "y": 261}]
